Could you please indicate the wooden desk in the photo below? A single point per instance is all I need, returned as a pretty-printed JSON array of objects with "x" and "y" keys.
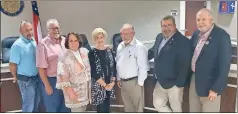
[{"x": 11, "y": 98}]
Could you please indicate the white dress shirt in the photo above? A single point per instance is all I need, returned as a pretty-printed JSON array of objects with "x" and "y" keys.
[{"x": 132, "y": 60}]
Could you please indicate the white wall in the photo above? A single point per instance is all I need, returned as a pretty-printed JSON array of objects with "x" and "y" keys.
[
  {"x": 85, "y": 16},
  {"x": 9, "y": 24}
]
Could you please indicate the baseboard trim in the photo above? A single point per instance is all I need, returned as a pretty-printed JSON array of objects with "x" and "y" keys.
[{"x": 112, "y": 106}]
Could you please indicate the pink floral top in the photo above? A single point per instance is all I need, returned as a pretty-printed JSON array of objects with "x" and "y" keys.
[{"x": 75, "y": 73}]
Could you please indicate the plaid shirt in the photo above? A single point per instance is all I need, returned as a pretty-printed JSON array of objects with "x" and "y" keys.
[{"x": 202, "y": 40}]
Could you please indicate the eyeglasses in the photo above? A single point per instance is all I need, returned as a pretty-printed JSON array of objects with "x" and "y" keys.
[
  {"x": 126, "y": 33},
  {"x": 167, "y": 26},
  {"x": 55, "y": 28}
]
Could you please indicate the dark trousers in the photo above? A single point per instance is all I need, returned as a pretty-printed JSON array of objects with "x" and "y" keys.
[
  {"x": 54, "y": 102},
  {"x": 105, "y": 106}
]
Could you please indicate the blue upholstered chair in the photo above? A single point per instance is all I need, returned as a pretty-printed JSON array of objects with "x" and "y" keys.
[
  {"x": 6, "y": 47},
  {"x": 116, "y": 41},
  {"x": 85, "y": 42}
]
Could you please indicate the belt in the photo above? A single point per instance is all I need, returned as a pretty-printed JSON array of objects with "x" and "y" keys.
[
  {"x": 26, "y": 78},
  {"x": 128, "y": 79},
  {"x": 51, "y": 77}
]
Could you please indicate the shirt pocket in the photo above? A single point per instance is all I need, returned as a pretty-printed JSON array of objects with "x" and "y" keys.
[{"x": 132, "y": 55}]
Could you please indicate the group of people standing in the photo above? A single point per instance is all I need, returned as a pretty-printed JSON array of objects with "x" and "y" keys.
[{"x": 67, "y": 77}]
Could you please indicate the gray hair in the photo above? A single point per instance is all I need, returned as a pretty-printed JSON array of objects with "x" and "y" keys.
[
  {"x": 128, "y": 25},
  {"x": 23, "y": 23},
  {"x": 208, "y": 11},
  {"x": 51, "y": 21}
]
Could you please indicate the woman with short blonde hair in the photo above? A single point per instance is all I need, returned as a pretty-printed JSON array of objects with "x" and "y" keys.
[
  {"x": 103, "y": 71},
  {"x": 99, "y": 31}
]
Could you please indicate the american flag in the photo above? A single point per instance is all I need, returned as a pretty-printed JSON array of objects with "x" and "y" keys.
[{"x": 36, "y": 22}]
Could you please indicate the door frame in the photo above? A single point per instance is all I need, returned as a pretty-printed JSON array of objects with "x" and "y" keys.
[{"x": 183, "y": 16}]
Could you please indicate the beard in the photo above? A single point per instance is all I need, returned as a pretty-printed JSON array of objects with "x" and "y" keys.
[
  {"x": 29, "y": 36},
  {"x": 167, "y": 34},
  {"x": 56, "y": 36}
]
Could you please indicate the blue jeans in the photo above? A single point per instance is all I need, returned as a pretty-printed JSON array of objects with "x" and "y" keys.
[
  {"x": 54, "y": 102},
  {"x": 30, "y": 95}
]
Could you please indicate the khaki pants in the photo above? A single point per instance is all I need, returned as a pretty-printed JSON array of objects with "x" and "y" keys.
[
  {"x": 161, "y": 97},
  {"x": 201, "y": 104},
  {"x": 132, "y": 96},
  {"x": 79, "y": 109}
]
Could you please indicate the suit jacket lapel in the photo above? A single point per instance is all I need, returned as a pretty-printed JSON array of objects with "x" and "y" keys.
[
  {"x": 167, "y": 45},
  {"x": 207, "y": 42}
]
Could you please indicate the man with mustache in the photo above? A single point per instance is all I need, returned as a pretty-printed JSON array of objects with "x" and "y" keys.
[
  {"x": 210, "y": 64},
  {"x": 172, "y": 56},
  {"x": 47, "y": 54},
  {"x": 23, "y": 67}
]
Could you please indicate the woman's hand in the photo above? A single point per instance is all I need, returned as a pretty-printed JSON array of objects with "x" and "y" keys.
[
  {"x": 72, "y": 95},
  {"x": 110, "y": 86},
  {"x": 101, "y": 82}
]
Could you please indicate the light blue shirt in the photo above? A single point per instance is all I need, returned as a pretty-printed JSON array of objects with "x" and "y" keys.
[
  {"x": 23, "y": 53},
  {"x": 162, "y": 43}
]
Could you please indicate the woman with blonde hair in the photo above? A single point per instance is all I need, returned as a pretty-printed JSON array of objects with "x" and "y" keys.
[
  {"x": 74, "y": 75},
  {"x": 103, "y": 71}
]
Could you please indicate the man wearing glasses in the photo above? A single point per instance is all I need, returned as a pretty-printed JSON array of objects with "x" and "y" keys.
[
  {"x": 172, "y": 57},
  {"x": 47, "y": 54},
  {"x": 132, "y": 67}
]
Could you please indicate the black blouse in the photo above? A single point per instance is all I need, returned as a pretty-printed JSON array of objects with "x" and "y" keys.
[{"x": 105, "y": 63}]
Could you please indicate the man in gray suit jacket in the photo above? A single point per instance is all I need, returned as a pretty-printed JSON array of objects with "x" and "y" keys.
[{"x": 210, "y": 64}]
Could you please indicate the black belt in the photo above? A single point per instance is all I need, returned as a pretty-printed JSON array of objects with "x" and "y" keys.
[
  {"x": 128, "y": 79},
  {"x": 26, "y": 78},
  {"x": 51, "y": 77}
]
